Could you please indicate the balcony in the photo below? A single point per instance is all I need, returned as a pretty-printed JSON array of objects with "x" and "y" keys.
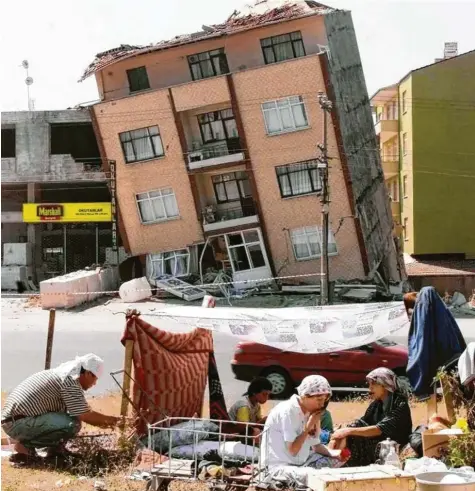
[
  {"x": 390, "y": 167},
  {"x": 386, "y": 129},
  {"x": 212, "y": 154},
  {"x": 221, "y": 217}
]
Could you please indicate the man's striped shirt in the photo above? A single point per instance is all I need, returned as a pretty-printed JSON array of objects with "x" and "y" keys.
[{"x": 46, "y": 392}]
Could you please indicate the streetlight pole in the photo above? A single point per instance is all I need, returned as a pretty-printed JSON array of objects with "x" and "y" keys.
[{"x": 326, "y": 106}]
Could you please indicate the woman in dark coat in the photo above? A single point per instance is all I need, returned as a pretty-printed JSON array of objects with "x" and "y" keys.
[{"x": 388, "y": 416}]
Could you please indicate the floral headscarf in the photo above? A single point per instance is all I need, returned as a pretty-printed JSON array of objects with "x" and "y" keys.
[
  {"x": 314, "y": 385},
  {"x": 385, "y": 377}
]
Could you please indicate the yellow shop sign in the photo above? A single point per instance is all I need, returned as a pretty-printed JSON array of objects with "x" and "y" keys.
[{"x": 67, "y": 212}]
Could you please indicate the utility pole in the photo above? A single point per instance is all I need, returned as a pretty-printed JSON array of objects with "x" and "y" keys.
[{"x": 326, "y": 106}]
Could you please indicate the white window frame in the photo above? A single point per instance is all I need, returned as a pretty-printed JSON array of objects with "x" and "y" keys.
[
  {"x": 160, "y": 258},
  {"x": 404, "y": 186},
  {"x": 149, "y": 198},
  {"x": 404, "y": 143},
  {"x": 276, "y": 107},
  {"x": 245, "y": 245},
  {"x": 404, "y": 101},
  {"x": 311, "y": 230}
]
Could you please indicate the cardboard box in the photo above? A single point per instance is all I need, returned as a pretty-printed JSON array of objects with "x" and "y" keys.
[
  {"x": 434, "y": 443},
  {"x": 376, "y": 477}
]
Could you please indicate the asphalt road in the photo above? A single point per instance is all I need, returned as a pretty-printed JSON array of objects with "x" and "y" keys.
[{"x": 99, "y": 329}]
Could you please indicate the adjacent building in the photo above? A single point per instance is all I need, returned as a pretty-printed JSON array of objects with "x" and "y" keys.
[
  {"x": 425, "y": 124},
  {"x": 215, "y": 135},
  {"x": 55, "y": 196}
]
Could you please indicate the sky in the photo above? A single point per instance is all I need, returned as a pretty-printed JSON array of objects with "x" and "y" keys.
[{"x": 59, "y": 38}]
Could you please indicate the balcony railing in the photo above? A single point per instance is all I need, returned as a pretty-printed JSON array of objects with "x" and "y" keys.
[
  {"x": 215, "y": 154},
  {"x": 214, "y": 217}
]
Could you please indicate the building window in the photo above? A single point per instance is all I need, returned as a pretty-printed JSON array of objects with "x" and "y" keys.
[
  {"x": 175, "y": 263},
  {"x": 208, "y": 64},
  {"x": 284, "y": 47},
  {"x": 233, "y": 186},
  {"x": 284, "y": 115},
  {"x": 8, "y": 143},
  {"x": 405, "y": 229},
  {"x": 142, "y": 144},
  {"x": 218, "y": 126},
  {"x": 307, "y": 243},
  {"x": 404, "y": 101},
  {"x": 158, "y": 205},
  {"x": 404, "y": 186},
  {"x": 404, "y": 143},
  {"x": 298, "y": 179},
  {"x": 138, "y": 79},
  {"x": 245, "y": 250}
]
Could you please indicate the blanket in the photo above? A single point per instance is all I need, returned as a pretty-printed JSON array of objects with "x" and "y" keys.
[
  {"x": 170, "y": 368},
  {"x": 171, "y": 371},
  {"x": 434, "y": 340}
]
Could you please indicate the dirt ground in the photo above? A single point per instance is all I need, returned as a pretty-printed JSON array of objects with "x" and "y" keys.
[{"x": 14, "y": 479}]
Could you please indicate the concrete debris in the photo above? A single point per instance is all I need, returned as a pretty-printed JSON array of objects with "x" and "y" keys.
[
  {"x": 359, "y": 294},
  {"x": 100, "y": 486}
]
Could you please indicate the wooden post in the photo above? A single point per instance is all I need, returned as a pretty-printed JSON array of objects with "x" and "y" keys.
[
  {"x": 449, "y": 403},
  {"x": 129, "y": 353},
  {"x": 432, "y": 405},
  {"x": 49, "y": 340}
]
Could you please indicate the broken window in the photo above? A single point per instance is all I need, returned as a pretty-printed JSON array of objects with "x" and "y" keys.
[
  {"x": 298, "y": 179},
  {"x": 138, "y": 79},
  {"x": 307, "y": 243},
  {"x": 8, "y": 143},
  {"x": 245, "y": 250},
  {"x": 175, "y": 263},
  {"x": 283, "y": 47},
  {"x": 141, "y": 144},
  {"x": 208, "y": 64},
  {"x": 75, "y": 139}
]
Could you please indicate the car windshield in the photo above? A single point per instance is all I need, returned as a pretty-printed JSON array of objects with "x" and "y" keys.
[{"x": 385, "y": 342}]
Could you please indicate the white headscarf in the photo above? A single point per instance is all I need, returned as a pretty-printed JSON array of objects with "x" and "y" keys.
[
  {"x": 89, "y": 362},
  {"x": 466, "y": 364},
  {"x": 314, "y": 385}
]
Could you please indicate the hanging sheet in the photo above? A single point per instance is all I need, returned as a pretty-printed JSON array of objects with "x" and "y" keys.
[{"x": 299, "y": 329}]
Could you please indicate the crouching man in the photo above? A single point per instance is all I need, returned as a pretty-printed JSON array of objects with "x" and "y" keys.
[{"x": 47, "y": 409}]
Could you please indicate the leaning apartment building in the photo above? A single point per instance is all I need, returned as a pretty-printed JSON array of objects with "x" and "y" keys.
[
  {"x": 215, "y": 135},
  {"x": 56, "y": 204}
]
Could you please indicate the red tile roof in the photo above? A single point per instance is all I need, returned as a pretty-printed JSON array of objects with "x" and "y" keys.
[
  {"x": 440, "y": 268},
  {"x": 260, "y": 14}
]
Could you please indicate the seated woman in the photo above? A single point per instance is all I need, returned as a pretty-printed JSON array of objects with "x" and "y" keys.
[
  {"x": 290, "y": 441},
  {"x": 388, "y": 416}
]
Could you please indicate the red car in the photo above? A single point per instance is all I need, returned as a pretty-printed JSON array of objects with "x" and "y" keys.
[{"x": 286, "y": 369}]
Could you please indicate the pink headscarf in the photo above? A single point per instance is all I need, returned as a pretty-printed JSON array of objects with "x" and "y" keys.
[{"x": 385, "y": 377}]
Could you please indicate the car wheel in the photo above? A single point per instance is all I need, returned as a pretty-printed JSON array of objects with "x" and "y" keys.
[{"x": 282, "y": 384}]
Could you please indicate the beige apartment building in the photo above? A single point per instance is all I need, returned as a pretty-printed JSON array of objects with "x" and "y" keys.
[{"x": 215, "y": 135}]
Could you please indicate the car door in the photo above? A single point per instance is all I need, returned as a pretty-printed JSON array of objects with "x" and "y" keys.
[{"x": 350, "y": 367}]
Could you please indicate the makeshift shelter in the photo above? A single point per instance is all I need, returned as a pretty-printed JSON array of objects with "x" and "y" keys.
[{"x": 171, "y": 371}]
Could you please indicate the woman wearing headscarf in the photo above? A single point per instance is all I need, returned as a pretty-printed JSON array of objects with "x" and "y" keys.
[
  {"x": 291, "y": 436},
  {"x": 388, "y": 416},
  {"x": 47, "y": 409}
]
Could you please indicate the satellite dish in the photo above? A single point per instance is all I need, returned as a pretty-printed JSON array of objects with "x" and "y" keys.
[
  {"x": 25, "y": 64},
  {"x": 28, "y": 80}
]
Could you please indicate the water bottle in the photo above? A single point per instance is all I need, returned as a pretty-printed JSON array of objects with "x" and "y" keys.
[{"x": 393, "y": 459}]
